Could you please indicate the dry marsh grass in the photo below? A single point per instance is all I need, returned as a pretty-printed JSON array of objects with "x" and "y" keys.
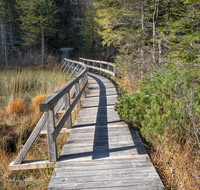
[
  {"x": 26, "y": 88},
  {"x": 17, "y": 106},
  {"x": 178, "y": 165}
]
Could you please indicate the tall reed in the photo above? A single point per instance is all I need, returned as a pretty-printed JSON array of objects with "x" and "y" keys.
[{"x": 26, "y": 83}]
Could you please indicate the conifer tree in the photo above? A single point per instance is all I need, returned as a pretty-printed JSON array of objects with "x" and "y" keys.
[{"x": 37, "y": 18}]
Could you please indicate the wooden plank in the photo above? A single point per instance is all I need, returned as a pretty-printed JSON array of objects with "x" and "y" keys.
[
  {"x": 27, "y": 165},
  {"x": 101, "y": 152},
  {"x": 63, "y": 130},
  {"x": 103, "y": 164},
  {"x": 66, "y": 158},
  {"x": 145, "y": 181},
  {"x": 96, "y": 61},
  {"x": 100, "y": 69}
]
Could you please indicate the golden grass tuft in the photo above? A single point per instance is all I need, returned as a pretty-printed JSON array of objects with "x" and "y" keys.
[
  {"x": 37, "y": 100},
  {"x": 17, "y": 106}
]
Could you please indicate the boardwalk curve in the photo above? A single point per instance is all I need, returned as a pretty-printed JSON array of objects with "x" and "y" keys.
[{"x": 101, "y": 151}]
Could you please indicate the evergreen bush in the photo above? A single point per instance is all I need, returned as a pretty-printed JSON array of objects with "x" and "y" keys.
[{"x": 167, "y": 107}]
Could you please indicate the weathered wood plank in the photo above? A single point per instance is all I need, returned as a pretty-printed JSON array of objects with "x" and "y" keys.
[
  {"x": 101, "y": 151},
  {"x": 27, "y": 165},
  {"x": 52, "y": 147},
  {"x": 96, "y": 61}
]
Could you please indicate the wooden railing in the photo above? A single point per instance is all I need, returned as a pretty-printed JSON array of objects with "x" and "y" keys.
[
  {"x": 60, "y": 100},
  {"x": 100, "y": 66}
]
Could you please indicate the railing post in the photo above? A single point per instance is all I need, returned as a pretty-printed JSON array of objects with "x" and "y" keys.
[
  {"x": 77, "y": 92},
  {"x": 86, "y": 65},
  {"x": 66, "y": 99},
  {"x": 82, "y": 84},
  {"x": 93, "y": 66},
  {"x": 108, "y": 70},
  {"x": 101, "y": 68},
  {"x": 52, "y": 148},
  {"x": 114, "y": 71},
  {"x": 63, "y": 64},
  {"x": 86, "y": 79}
]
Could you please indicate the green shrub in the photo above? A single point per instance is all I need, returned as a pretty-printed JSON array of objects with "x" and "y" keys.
[{"x": 167, "y": 106}]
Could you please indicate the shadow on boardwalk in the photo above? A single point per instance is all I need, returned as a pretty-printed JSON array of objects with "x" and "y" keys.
[{"x": 101, "y": 151}]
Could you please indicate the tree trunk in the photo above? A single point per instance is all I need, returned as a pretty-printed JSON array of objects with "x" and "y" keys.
[
  {"x": 142, "y": 19},
  {"x": 43, "y": 48},
  {"x": 10, "y": 32},
  {"x": 3, "y": 43},
  {"x": 154, "y": 49},
  {"x": 168, "y": 14},
  {"x": 2, "y": 40}
]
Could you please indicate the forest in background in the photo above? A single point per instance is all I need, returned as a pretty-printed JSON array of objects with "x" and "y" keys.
[
  {"x": 137, "y": 35},
  {"x": 155, "y": 45}
]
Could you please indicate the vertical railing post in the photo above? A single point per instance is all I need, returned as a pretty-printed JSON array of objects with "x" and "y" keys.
[
  {"x": 93, "y": 66},
  {"x": 108, "y": 70},
  {"x": 87, "y": 64},
  {"x": 100, "y": 68},
  {"x": 82, "y": 84},
  {"x": 114, "y": 71},
  {"x": 86, "y": 79},
  {"x": 77, "y": 93},
  {"x": 66, "y": 99},
  {"x": 63, "y": 64},
  {"x": 52, "y": 148}
]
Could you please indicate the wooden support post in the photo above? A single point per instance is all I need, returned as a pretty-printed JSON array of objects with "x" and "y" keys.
[
  {"x": 86, "y": 79},
  {"x": 52, "y": 148},
  {"x": 108, "y": 70},
  {"x": 78, "y": 70},
  {"x": 77, "y": 93},
  {"x": 82, "y": 85},
  {"x": 63, "y": 64},
  {"x": 66, "y": 67},
  {"x": 114, "y": 71},
  {"x": 69, "y": 67},
  {"x": 101, "y": 68},
  {"x": 86, "y": 65},
  {"x": 93, "y": 66},
  {"x": 66, "y": 99}
]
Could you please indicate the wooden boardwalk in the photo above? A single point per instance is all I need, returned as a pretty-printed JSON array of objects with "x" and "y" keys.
[{"x": 101, "y": 151}]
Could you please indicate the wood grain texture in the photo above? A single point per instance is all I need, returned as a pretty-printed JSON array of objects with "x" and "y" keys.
[
  {"x": 52, "y": 147},
  {"x": 36, "y": 164},
  {"x": 101, "y": 151}
]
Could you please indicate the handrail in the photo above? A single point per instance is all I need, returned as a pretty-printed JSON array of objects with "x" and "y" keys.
[
  {"x": 111, "y": 67},
  {"x": 60, "y": 98}
]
